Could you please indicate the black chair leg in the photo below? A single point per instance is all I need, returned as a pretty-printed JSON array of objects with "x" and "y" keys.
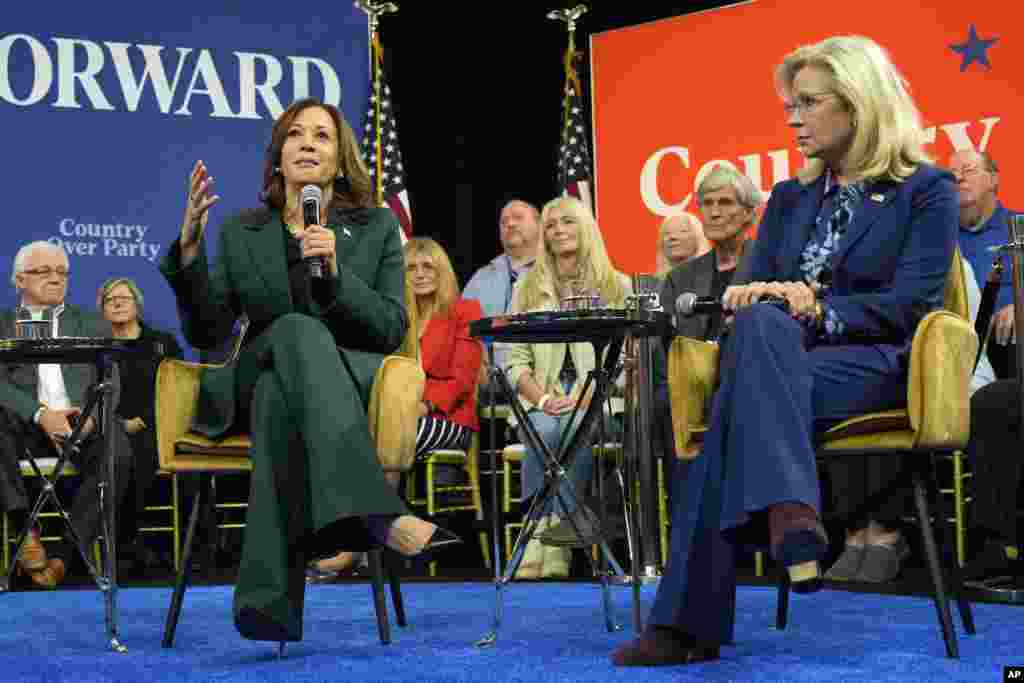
[
  {"x": 391, "y": 570},
  {"x": 947, "y": 539},
  {"x": 782, "y": 603},
  {"x": 380, "y": 606},
  {"x": 934, "y": 566},
  {"x": 181, "y": 581}
]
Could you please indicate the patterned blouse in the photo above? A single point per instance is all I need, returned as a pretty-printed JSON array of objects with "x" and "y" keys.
[{"x": 837, "y": 211}]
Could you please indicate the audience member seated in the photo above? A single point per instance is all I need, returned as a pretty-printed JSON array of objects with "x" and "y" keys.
[
  {"x": 728, "y": 200},
  {"x": 859, "y": 245},
  {"x": 121, "y": 302},
  {"x": 491, "y": 285},
  {"x": 549, "y": 377},
  {"x": 680, "y": 237},
  {"x": 450, "y": 358},
  {"x": 39, "y": 404},
  {"x": 984, "y": 223},
  {"x": 302, "y": 382}
]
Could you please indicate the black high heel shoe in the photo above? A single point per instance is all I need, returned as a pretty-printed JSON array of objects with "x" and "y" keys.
[{"x": 439, "y": 541}]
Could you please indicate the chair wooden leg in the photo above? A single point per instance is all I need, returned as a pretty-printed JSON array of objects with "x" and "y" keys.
[
  {"x": 181, "y": 581},
  {"x": 949, "y": 556},
  {"x": 934, "y": 566},
  {"x": 391, "y": 564},
  {"x": 782, "y": 603},
  {"x": 373, "y": 559}
]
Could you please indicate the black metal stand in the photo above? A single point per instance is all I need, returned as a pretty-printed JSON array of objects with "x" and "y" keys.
[
  {"x": 101, "y": 401},
  {"x": 555, "y": 466},
  {"x": 1008, "y": 589}
]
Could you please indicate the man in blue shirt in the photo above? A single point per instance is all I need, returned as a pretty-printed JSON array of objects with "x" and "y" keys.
[
  {"x": 519, "y": 231},
  {"x": 984, "y": 224}
]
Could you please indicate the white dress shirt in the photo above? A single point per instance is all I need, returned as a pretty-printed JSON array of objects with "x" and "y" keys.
[{"x": 52, "y": 392}]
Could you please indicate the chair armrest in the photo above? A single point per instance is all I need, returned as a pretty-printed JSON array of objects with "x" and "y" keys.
[
  {"x": 177, "y": 393},
  {"x": 941, "y": 363},
  {"x": 394, "y": 411},
  {"x": 692, "y": 379}
]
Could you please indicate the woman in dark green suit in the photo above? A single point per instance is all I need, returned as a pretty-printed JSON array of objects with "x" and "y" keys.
[{"x": 302, "y": 382}]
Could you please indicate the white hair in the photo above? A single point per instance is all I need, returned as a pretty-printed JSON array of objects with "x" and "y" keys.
[{"x": 23, "y": 254}]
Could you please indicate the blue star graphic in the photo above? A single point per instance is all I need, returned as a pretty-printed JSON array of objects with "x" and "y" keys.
[{"x": 974, "y": 50}]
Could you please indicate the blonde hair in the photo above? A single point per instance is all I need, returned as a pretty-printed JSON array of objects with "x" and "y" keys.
[
  {"x": 888, "y": 140},
  {"x": 594, "y": 267},
  {"x": 703, "y": 246},
  {"x": 447, "y": 284}
]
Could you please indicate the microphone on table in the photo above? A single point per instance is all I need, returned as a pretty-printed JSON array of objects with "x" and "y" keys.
[
  {"x": 311, "y": 197},
  {"x": 689, "y": 304}
]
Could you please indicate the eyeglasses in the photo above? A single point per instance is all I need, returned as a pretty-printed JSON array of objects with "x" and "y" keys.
[
  {"x": 805, "y": 102},
  {"x": 966, "y": 172},
  {"x": 118, "y": 300},
  {"x": 46, "y": 272}
]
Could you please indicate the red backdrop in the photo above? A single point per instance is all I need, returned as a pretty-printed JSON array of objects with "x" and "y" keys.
[{"x": 674, "y": 96}]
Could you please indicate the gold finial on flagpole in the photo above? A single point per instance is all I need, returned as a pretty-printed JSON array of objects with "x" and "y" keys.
[
  {"x": 569, "y": 16},
  {"x": 375, "y": 9}
]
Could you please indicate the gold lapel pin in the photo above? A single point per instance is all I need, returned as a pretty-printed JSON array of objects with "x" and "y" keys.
[{"x": 878, "y": 198}]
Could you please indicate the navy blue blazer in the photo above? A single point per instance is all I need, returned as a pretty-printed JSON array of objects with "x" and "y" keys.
[{"x": 892, "y": 262}]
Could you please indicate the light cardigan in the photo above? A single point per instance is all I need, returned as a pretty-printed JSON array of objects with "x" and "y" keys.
[{"x": 545, "y": 360}]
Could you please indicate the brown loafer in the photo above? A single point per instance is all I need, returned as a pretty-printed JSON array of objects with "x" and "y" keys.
[
  {"x": 663, "y": 647},
  {"x": 50, "y": 577},
  {"x": 33, "y": 554}
]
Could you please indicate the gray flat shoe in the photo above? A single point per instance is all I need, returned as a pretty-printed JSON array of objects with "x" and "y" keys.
[
  {"x": 847, "y": 566},
  {"x": 882, "y": 563}
]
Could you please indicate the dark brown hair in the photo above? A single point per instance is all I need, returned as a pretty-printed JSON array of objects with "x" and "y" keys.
[{"x": 353, "y": 190}]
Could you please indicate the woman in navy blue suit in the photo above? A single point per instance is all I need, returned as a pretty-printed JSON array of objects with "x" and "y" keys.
[{"x": 859, "y": 245}]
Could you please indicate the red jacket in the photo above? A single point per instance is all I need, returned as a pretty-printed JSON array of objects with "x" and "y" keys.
[{"x": 451, "y": 360}]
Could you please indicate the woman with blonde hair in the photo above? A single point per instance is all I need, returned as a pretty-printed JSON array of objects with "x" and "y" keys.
[
  {"x": 549, "y": 377},
  {"x": 859, "y": 246},
  {"x": 680, "y": 238}
]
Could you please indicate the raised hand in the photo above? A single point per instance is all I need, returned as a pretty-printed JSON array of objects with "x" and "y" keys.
[{"x": 197, "y": 207}]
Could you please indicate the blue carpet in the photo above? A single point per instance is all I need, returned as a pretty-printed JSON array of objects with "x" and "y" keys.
[{"x": 552, "y": 632}]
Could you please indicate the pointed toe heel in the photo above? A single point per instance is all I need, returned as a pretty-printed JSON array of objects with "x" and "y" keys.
[{"x": 440, "y": 540}]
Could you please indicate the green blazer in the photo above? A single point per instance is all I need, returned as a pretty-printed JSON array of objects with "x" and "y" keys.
[
  {"x": 19, "y": 382},
  {"x": 367, "y": 315}
]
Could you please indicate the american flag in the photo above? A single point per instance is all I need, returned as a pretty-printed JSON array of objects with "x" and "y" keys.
[
  {"x": 392, "y": 172},
  {"x": 574, "y": 153}
]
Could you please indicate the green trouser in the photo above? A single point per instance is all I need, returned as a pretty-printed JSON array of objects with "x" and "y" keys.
[{"x": 314, "y": 463}]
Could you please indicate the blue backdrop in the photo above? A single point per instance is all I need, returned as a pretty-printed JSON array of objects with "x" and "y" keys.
[{"x": 107, "y": 106}]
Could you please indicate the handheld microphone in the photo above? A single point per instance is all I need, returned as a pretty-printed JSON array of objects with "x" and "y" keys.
[
  {"x": 311, "y": 198},
  {"x": 689, "y": 304}
]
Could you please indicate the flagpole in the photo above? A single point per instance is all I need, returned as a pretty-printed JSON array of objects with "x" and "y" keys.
[
  {"x": 572, "y": 79},
  {"x": 374, "y": 10}
]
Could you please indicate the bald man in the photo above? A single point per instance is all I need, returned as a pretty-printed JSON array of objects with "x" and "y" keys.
[{"x": 519, "y": 232}]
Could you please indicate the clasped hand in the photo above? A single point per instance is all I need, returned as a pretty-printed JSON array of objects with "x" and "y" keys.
[
  {"x": 57, "y": 425},
  {"x": 801, "y": 298}
]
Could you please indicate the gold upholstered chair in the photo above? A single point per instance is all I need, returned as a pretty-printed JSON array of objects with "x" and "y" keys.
[
  {"x": 934, "y": 423},
  {"x": 394, "y": 402}
]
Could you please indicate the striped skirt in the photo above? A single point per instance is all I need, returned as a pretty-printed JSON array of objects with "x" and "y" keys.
[{"x": 435, "y": 433}]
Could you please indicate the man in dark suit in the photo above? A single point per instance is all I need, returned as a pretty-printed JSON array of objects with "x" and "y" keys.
[{"x": 39, "y": 403}]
